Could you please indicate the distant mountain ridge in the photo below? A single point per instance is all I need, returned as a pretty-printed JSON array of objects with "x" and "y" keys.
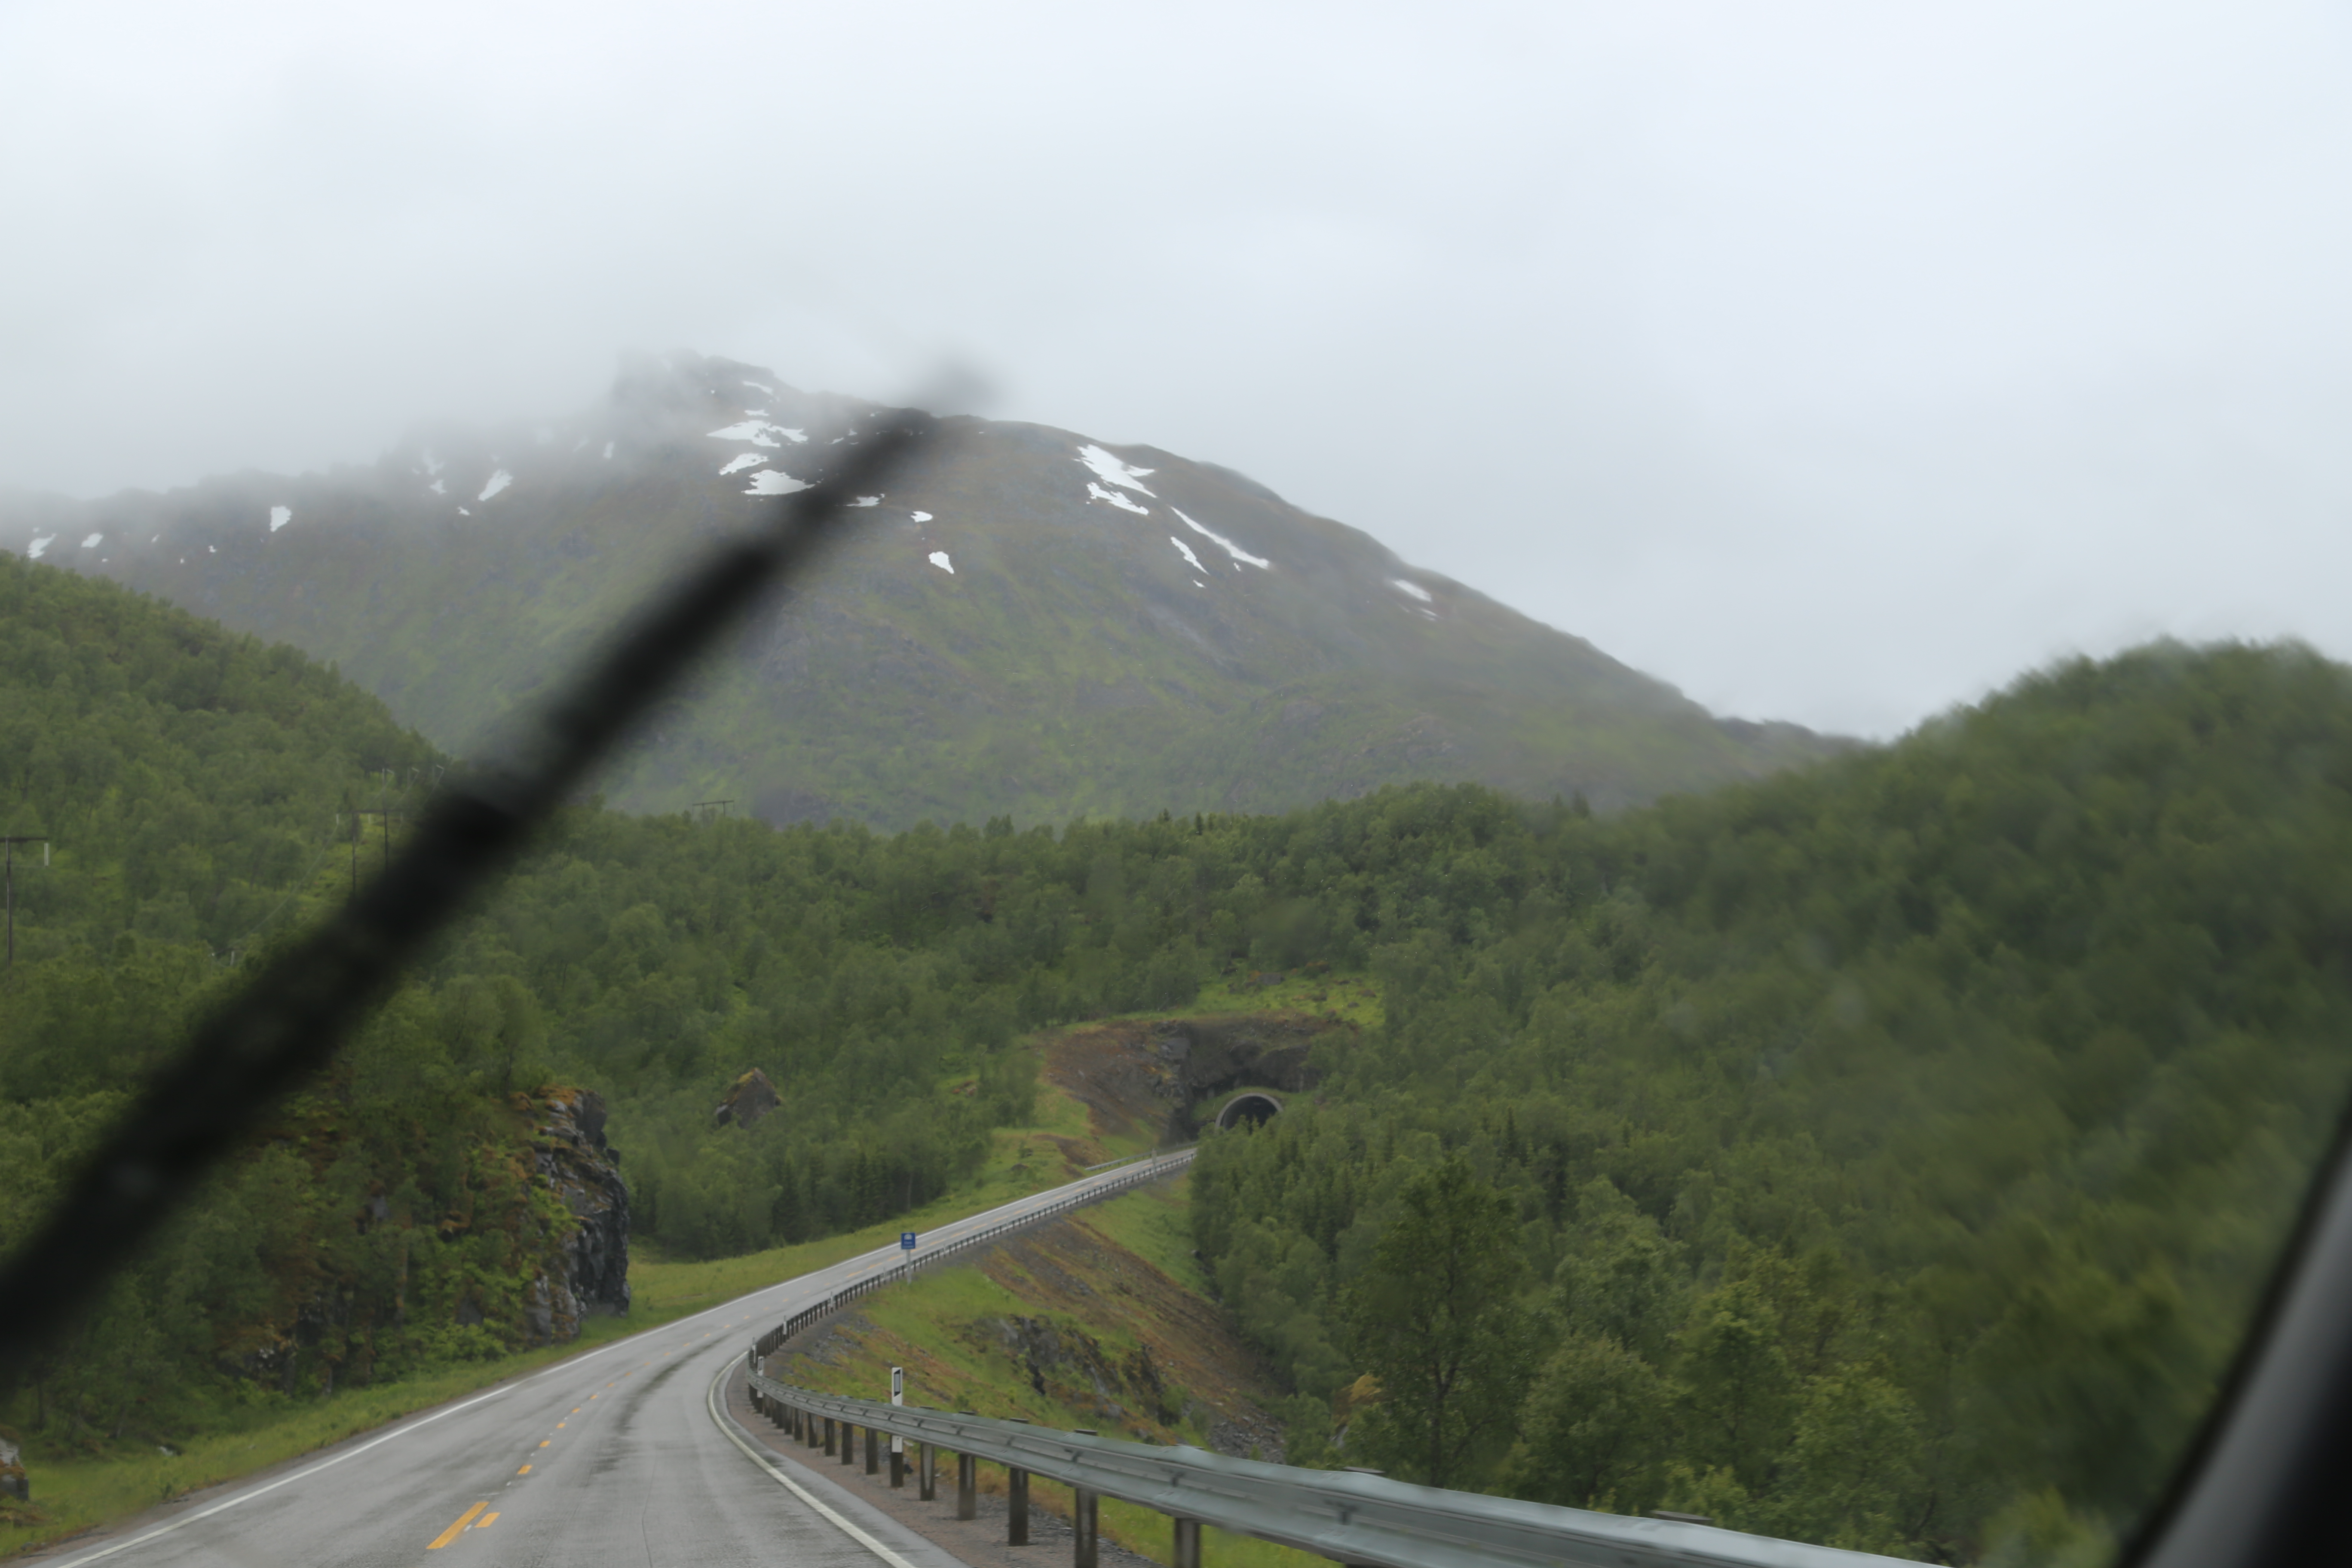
[{"x": 1032, "y": 623}]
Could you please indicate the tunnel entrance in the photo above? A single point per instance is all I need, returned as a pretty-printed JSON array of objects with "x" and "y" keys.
[{"x": 1251, "y": 1107}]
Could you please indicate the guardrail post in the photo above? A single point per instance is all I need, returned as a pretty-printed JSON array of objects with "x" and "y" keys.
[
  {"x": 848, "y": 1444},
  {"x": 1187, "y": 1544},
  {"x": 927, "y": 1476},
  {"x": 898, "y": 1470},
  {"x": 808, "y": 1429},
  {"x": 968, "y": 1487},
  {"x": 1016, "y": 1521},
  {"x": 1084, "y": 1516},
  {"x": 873, "y": 1451},
  {"x": 828, "y": 1437}
]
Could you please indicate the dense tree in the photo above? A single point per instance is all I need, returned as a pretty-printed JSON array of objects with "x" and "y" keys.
[{"x": 1435, "y": 1318}]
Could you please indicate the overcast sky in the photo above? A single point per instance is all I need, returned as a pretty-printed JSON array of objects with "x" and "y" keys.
[{"x": 1835, "y": 362}]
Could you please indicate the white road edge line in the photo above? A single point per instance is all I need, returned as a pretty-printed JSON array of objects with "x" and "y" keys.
[
  {"x": 727, "y": 1430},
  {"x": 280, "y": 1481}
]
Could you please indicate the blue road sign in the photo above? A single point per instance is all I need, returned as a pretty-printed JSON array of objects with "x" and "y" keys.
[{"x": 907, "y": 1240}]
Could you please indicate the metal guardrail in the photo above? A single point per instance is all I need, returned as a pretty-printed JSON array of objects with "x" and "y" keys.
[
  {"x": 1151, "y": 1169},
  {"x": 1350, "y": 1517}
]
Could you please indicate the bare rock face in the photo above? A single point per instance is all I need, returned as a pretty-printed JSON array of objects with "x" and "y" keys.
[
  {"x": 748, "y": 1098},
  {"x": 584, "y": 1173},
  {"x": 1066, "y": 1362},
  {"x": 1214, "y": 1056}
]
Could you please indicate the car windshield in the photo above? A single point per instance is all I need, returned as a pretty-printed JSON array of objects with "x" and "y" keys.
[{"x": 1587, "y": 757}]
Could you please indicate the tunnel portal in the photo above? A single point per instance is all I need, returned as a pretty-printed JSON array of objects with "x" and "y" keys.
[{"x": 1251, "y": 1106}]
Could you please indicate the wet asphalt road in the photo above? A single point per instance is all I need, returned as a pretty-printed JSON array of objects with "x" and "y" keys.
[{"x": 618, "y": 1456}]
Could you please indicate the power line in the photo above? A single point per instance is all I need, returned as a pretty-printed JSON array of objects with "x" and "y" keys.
[{"x": 12, "y": 840}]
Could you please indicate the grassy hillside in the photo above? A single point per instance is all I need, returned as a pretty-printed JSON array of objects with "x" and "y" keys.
[{"x": 1090, "y": 646}]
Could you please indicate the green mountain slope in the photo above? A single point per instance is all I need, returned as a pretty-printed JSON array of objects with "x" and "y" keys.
[
  {"x": 413, "y": 1205},
  {"x": 1109, "y": 633}
]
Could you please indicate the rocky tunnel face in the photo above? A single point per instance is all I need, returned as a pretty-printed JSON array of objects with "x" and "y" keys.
[{"x": 1248, "y": 1109}]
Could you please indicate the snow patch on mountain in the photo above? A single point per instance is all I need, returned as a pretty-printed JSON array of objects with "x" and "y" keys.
[
  {"x": 1241, "y": 557},
  {"x": 867, "y": 500},
  {"x": 93, "y": 542},
  {"x": 40, "y": 543},
  {"x": 279, "y": 516},
  {"x": 1415, "y": 589},
  {"x": 761, "y": 387},
  {"x": 739, "y": 461},
  {"x": 1112, "y": 471},
  {"x": 1117, "y": 499},
  {"x": 920, "y": 516},
  {"x": 1186, "y": 552},
  {"x": 939, "y": 558},
  {"x": 759, "y": 432},
  {"x": 774, "y": 482},
  {"x": 498, "y": 481}
]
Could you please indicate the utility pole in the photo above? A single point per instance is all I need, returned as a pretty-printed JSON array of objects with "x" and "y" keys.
[
  {"x": 12, "y": 840},
  {"x": 383, "y": 813}
]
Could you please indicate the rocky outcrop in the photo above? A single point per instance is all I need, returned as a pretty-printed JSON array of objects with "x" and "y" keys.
[
  {"x": 1065, "y": 1362},
  {"x": 12, "y": 1481},
  {"x": 748, "y": 1098},
  {"x": 584, "y": 1172}
]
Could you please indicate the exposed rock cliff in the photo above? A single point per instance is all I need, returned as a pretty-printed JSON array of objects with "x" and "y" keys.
[
  {"x": 748, "y": 1098},
  {"x": 584, "y": 1172}
]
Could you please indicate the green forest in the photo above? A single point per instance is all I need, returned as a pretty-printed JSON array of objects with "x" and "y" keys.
[{"x": 1884, "y": 1154}]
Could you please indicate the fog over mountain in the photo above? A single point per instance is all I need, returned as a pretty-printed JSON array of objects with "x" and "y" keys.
[
  {"x": 1031, "y": 623},
  {"x": 1831, "y": 360}
]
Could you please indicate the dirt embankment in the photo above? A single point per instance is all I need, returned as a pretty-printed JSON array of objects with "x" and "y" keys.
[{"x": 1150, "y": 1078}]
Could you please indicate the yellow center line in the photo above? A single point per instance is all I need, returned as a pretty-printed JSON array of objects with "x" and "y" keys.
[
  {"x": 543, "y": 1441},
  {"x": 487, "y": 1520},
  {"x": 524, "y": 1472},
  {"x": 450, "y": 1534},
  {"x": 575, "y": 1409},
  {"x": 560, "y": 1426}
]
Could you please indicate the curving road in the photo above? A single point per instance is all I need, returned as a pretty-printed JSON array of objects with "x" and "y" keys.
[{"x": 616, "y": 1456}]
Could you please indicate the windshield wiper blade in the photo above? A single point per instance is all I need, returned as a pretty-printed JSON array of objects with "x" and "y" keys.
[{"x": 288, "y": 1020}]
